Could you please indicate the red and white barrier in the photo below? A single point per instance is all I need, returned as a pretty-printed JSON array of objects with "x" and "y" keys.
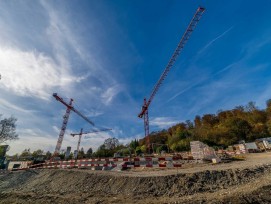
[{"x": 149, "y": 162}]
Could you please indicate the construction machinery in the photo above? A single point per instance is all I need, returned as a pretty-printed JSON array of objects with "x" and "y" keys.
[
  {"x": 144, "y": 111},
  {"x": 83, "y": 133},
  {"x": 65, "y": 120}
]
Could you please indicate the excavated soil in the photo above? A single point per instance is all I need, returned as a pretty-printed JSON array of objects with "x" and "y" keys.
[{"x": 237, "y": 182}]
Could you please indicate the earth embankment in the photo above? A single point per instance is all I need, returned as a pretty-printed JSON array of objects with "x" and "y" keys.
[{"x": 238, "y": 184}]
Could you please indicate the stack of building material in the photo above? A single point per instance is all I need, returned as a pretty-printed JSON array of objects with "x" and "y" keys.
[
  {"x": 251, "y": 147},
  {"x": 264, "y": 143},
  {"x": 201, "y": 151},
  {"x": 240, "y": 148}
]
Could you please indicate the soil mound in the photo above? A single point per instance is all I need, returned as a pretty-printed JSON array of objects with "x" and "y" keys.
[{"x": 85, "y": 186}]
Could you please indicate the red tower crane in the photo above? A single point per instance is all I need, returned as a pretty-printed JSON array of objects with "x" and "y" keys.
[
  {"x": 184, "y": 39},
  {"x": 65, "y": 120},
  {"x": 83, "y": 133}
]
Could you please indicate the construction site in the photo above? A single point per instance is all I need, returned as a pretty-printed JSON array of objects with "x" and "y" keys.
[
  {"x": 187, "y": 168},
  {"x": 245, "y": 180}
]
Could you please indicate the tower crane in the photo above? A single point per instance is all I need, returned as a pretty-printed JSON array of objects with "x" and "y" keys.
[
  {"x": 146, "y": 103},
  {"x": 83, "y": 133},
  {"x": 65, "y": 120}
]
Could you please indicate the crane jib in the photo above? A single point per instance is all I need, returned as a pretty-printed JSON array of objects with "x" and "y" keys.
[
  {"x": 176, "y": 53},
  {"x": 66, "y": 118}
]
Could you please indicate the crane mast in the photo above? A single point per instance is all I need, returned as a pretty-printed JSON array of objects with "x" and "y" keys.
[
  {"x": 79, "y": 139},
  {"x": 83, "y": 133},
  {"x": 184, "y": 39},
  {"x": 63, "y": 128},
  {"x": 65, "y": 120}
]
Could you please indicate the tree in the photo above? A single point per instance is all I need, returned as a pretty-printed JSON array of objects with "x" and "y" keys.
[
  {"x": 61, "y": 155},
  {"x": 3, "y": 150},
  {"x": 8, "y": 129},
  {"x": 26, "y": 153},
  {"x": 111, "y": 143},
  {"x": 268, "y": 107},
  {"x": 197, "y": 121},
  {"x": 161, "y": 148},
  {"x": 48, "y": 155},
  {"x": 81, "y": 153},
  {"x": 209, "y": 120},
  {"x": 143, "y": 148},
  {"x": 89, "y": 152},
  {"x": 138, "y": 150},
  {"x": 102, "y": 151},
  {"x": 37, "y": 153},
  {"x": 134, "y": 144},
  {"x": 250, "y": 107},
  {"x": 189, "y": 124},
  {"x": 71, "y": 156}
]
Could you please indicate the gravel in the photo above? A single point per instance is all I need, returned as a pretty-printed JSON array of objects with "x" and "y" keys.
[{"x": 239, "y": 182}]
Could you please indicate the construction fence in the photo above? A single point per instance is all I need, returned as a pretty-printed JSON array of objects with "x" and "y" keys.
[{"x": 109, "y": 163}]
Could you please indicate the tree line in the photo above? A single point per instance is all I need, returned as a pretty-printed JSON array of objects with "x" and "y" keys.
[{"x": 226, "y": 127}]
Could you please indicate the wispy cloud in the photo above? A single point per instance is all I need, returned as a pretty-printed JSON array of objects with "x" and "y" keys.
[
  {"x": 215, "y": 39},
  {"x": 212, "y": 75},
  {"x": 37, "y": 138},
  {"x": 163, "y": 122},
  {"x": 185, "y": 90},
  {"x": 66, "y": 42},
  {"x": 9, "y": 105},
  {"x": 110, "y": 93},
  {"x": 30, "y": 73},
  {"x": 92, "y": 112},
  {"x": 201, "y": 81}
]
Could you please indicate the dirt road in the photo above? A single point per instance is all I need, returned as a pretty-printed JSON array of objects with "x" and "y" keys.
[{"x": 246, "y": 181}]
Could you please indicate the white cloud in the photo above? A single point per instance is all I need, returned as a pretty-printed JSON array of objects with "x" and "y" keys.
[
  {"x": 33, "y": 139},
  {"x": 93, "y": 113},
  {"x": 51, "y": 58},
  {"x": 193, "y": 85},
  {"x": 29, "y": 73},
  {"x": 163, "y": 122},
  {"x": 215, "y": 39},
  {"x": 67, "y": 43},
  {"x": 110, "y": 93},
  {"x": 127, "y": 140},
  {"x": 37, "y": 139},
  {"x": 9, "y": 106}
]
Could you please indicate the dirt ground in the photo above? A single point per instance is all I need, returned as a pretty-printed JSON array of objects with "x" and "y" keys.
[{"x": 247, "y": 181}]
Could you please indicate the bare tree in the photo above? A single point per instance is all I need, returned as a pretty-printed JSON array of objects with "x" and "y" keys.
[{"x": 8, "y": 129}]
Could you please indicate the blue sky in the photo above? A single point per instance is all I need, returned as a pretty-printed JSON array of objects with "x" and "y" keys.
[{"x": 108, "y": 55}]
